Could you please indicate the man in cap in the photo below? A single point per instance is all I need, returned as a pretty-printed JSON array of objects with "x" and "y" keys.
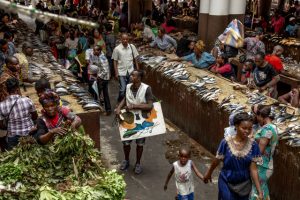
[{"x": 292, "y": 28}]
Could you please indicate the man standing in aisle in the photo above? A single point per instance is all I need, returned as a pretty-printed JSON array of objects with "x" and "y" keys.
[
  {"x": 138, "y": 97},
  {"x": 98, "y": 58},
  {"x": 124, "y": 56}
]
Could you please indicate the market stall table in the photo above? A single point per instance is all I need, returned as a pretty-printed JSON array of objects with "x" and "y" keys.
[{"x": 205, "y": 122}]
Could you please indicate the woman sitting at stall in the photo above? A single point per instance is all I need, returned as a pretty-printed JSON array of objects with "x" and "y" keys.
[
  {"x": 223, "y": 68},
  {"x": 55, "y": 119},
  {"x": 200, "y": 58}
]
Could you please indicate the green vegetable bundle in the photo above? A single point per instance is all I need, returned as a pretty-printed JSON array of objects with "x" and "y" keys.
[{"x": 68, "y": 168}]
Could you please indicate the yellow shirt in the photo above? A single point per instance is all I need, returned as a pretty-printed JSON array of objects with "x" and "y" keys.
[{"x": 24, "y": 65}]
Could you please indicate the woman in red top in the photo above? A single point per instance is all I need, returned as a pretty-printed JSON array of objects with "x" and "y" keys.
[{"x": 223, "y": 68}]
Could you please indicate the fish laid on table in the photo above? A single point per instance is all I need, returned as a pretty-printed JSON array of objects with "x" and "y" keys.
[
  {"x": 92, "y": 106},
  {"x": 256, "y": 98}
]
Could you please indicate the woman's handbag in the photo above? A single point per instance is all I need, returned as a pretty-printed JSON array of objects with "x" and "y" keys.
[{"x": 242, "y": 189}]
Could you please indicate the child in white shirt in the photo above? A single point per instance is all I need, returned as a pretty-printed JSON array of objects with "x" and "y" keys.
[{"x": 183, "y": 175}]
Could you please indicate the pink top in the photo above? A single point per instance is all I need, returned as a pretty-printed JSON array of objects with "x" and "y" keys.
[
  {"x": 223, "y": 69},
  {"x": 278, "y": 24}
]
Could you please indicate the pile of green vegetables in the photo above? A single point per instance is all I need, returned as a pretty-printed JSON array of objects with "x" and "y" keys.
[{"x": 68, "y": 168}]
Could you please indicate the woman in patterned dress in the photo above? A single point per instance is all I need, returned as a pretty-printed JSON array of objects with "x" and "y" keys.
[
  {"x": 239, "y": 154},
  {"x": 267, "y": 139}
]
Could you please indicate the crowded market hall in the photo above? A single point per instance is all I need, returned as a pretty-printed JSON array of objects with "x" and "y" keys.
[{"x": 210, "y": 88}]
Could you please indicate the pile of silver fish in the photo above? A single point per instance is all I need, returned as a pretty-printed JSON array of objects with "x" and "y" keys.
[
  {"x": 175, "y": 70},
  {"x": 84, "y": 98},
  {"x": 292, "y": 135},
  {"x": 256, "y": 98},
  {"x": 150, "y": 60}
]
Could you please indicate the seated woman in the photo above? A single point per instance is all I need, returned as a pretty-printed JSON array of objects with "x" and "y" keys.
[
  {"x": 223, "y": 68},
  {"x": 55, "y": 119},
  {"x": 200, "y": 58},
  {"x": 185, "y": 46}
]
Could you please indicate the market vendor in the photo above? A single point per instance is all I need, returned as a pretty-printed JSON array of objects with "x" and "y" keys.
[
  {"x": 55, "y": 119},
  {"x": 265, "y": 77},
  {"x": 247, "y": 73},
  {"x": 292, "y": 28},
  {"x": 185, "y": 46},
  {"x": 274, "y": 58},
  {"x": 223, "y": 68},
  {"x": 163, "y": 41},
  {"x": 292, "y": 97},
  {"x": 148, "y": 34},
  {"x": 200, "y": 58}
]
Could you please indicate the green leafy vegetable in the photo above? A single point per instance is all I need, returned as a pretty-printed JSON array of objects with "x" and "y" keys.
[{"x": 68, "y": 168}]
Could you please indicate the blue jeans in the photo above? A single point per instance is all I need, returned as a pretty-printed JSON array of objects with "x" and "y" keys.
[
  {"x": 11, "y": 142},
  {"x": 123, "y": 81},
  {"x": 186, "y": 197}
]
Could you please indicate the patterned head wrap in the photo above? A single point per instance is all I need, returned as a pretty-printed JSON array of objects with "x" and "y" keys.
[{"x": 49, "y": 96}]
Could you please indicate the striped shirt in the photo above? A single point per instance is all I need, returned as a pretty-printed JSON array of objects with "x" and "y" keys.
[{"x": 20, "y": 122}]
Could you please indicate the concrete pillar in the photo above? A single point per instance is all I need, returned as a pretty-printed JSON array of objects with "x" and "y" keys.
[
  {"x": 237, "y": 10},
  {"x": 147, "y": 5},
  {"x": 134, "y": 11},
  {"x": 264, "y": 7},
  {"x": 203, "y": 19},
  {"x": 217, "y": 20}
]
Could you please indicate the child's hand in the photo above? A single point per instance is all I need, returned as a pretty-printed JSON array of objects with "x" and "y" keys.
[
  {"x": 165, "y": 187},
  {"x": 207, "y": 178}
]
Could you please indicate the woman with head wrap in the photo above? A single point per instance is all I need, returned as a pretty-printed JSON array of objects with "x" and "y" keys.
[
  {"x": 200, "y": 58},
  {"x": 55, "y": 119}
]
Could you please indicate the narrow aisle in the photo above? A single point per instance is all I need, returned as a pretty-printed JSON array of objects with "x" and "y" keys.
[{"x": 149, "y": 185}]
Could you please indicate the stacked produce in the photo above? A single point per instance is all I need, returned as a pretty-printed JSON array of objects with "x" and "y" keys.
[{"x": 68, "y": 168}]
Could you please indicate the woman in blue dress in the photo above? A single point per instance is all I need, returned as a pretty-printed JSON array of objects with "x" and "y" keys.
[{"x": 239, "y": 154}]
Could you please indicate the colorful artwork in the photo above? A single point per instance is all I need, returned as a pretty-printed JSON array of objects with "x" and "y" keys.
[{"x": 139, "y": 124}]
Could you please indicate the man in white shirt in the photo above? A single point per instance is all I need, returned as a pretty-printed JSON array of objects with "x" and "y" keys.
[{"x": 124, "y": 56}]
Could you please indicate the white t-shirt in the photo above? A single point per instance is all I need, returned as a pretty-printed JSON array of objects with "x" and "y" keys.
[
  {"x": 184, "y": 178},
  {"x": 148, "y": 33},
  {"x": 71, "y": 44}
]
